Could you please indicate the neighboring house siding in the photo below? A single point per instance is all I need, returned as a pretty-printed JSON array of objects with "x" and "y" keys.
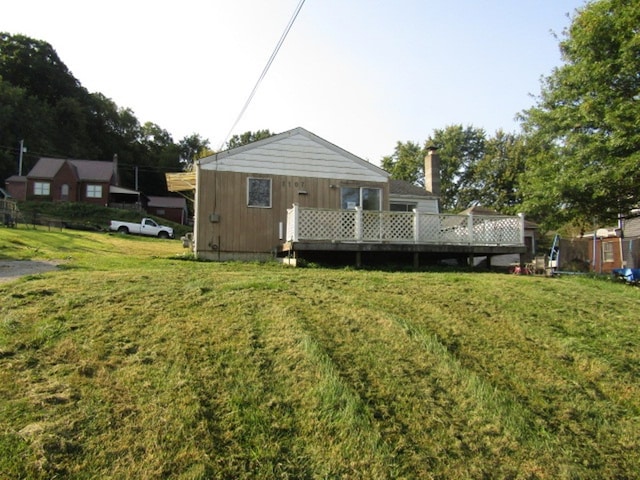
[
  {"x": 171, "y": 208},
  {"x": 17, "y": 187},
  {"x": 608, "y": 254},
  {"x": 65, "y": 176},
  {"x": 89, "y": 189}
]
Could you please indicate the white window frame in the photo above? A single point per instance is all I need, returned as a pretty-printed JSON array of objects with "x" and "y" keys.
[
  {"x": 94, "y": 190},
  {"x": 607, "y": 252},
  {"x": 403, "y": 206},
  {"x": 42, "y": 189},
  {"x": 360, "y": 197},
  {"x": 255, "y": 186}
]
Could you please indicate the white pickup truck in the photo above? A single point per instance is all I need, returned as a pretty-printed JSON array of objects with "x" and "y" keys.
[{"x": 145, "y": 227}]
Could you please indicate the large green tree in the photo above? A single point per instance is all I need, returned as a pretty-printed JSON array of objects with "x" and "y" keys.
[
  {"x": 586, "y": 123},
  {"x": 494, "y": 178},
  {"x": 406, "y": 163},
  {"x": 460, "y": 149}
]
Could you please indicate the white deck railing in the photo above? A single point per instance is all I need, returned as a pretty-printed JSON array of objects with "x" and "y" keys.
[{"x": 365, "y": 226}]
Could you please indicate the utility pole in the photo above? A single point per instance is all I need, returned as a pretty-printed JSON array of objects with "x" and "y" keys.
[{"x": 22, "y": 150}]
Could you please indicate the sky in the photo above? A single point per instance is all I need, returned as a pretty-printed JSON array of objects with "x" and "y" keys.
[{"x": 362, "y": 74}]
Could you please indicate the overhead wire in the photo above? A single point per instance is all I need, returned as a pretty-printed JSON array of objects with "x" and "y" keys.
[{"x": 264, "y": 71}]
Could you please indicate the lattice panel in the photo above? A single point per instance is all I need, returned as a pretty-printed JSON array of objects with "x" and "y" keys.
[
  {"x": 398, "y": 226},
  {"x": 443, "y": 228},
  {"x": 326, "y": 224},
  {"x": 492, "y": 230},
  {"x": 368, "y": 226}
]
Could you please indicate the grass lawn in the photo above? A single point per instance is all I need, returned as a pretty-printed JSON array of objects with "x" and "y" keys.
[{"x": 131, "y": 362}]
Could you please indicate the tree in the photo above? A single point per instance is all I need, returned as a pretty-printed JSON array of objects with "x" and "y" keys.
[
  {"x": 495, "y": 177},
  {"x": 585, "y": 122},
  {"x": 406, "y": 163},
  {"x": 35, "y": 65},
  {"x": 192, "y": 148},
  {"x": 460, "y": 149},
  {"x": 247, "y": 137}
]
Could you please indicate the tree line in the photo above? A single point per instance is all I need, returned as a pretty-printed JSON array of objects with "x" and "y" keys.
[{"x": 575, "y": 161}]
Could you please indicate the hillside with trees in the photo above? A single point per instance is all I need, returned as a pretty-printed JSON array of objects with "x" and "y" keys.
[{"x": 42, "y": 103}]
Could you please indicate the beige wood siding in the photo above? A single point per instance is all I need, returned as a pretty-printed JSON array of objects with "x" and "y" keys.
[{"x": 243, "y": 229}]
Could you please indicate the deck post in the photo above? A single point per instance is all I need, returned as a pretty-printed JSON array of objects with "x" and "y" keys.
[
  {"x": 416, "y": 226},
  {"x": 470, "y": 228},
  {"x": 296, "y": 218},
  {"x": 359, "y": 226},
  {"x": 521, "y": 216}
]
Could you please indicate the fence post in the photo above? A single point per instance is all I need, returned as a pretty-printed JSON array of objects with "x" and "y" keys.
[
  {"x": 470, "y": 228},
  {"x": 359, "y": 226},
  {"x": 416, "y": 226}
]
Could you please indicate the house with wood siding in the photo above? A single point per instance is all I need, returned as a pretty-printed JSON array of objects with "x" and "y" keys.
[{"x": 296, "y": 195}]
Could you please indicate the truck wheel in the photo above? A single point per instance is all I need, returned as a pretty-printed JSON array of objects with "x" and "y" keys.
[
  {"x": 123, "y": 230},
  {"x": 163, "y": 235}
]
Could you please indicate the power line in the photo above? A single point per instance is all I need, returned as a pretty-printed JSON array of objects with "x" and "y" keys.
[{"x": 265, "y": 70}]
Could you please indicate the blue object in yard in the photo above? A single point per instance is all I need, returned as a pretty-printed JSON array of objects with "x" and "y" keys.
[{"x": 628, "y": 274}]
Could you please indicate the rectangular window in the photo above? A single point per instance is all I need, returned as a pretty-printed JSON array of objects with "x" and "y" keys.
[
  {"x": 94, "y": 191},
  {"x": 607, "y": 252},
  {"x": 367, "y": 198},
  {"x": 403, "y": 207},
  {"x": 259, "y": 192},
  {"x": 41, "y": 188}
]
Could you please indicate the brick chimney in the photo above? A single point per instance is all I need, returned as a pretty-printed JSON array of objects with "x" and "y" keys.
[{"x": 432, "y": 171}]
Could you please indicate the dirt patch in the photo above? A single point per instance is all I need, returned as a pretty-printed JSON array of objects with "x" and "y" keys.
[{"x": 12, "y": 269}]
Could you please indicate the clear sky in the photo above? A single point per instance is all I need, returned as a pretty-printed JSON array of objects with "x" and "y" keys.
[{"x": 362, "y": 74}]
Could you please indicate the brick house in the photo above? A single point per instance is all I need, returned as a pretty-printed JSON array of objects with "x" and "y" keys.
[{"x": 70, "y": 180}]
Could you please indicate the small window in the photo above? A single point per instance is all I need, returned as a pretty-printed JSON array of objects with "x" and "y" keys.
[
  {"x": 403, "y": 207},
  {"x": 41, "y": 188},
  {"x": 607, "y": 252},
  {"x": 94, "y": 191},
  {"x": 259, "y": 192}
]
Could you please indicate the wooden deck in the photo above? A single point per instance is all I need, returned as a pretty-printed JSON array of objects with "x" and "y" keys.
[
  {"x": 379, "y": 253},
  {"x": 364, "y": 237}
]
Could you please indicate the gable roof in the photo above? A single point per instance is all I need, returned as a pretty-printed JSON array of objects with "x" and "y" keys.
[
  {"x": 296, "y": 152},
  {"x": 85, "y": 170}
]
